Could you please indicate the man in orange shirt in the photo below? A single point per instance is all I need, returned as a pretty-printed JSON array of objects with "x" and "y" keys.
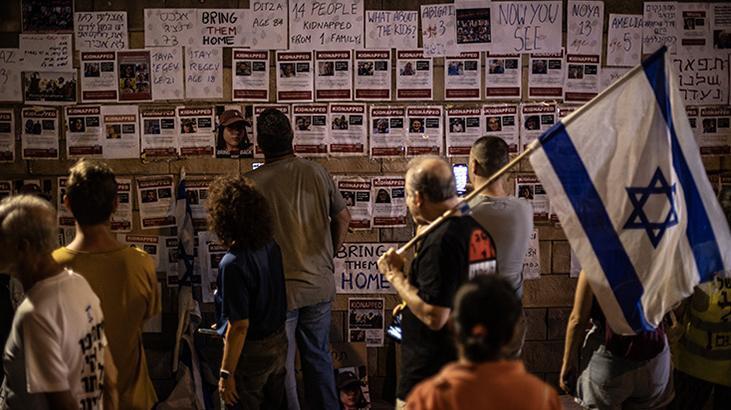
[{"x": 485, "y": 313}]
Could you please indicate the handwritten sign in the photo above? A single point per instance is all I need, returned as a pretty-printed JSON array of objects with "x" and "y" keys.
[
  {"x": 438, "y": 31},
  {"x": 585, "y": 27},
  {"x": 624, "y": 41},
  {"x": 532, "y": 260},
  {"x": 100, "y": 30},
  {"x": 46, "y": 51},
  {"x": 391, "y": 29},
  {"x": 659, "y": 27},
  {"x": 170, "y": 27},
  {"x": 356, "y": 268},
  {"x": 703, "y": 78},
  {"x": 204, "y": 72},
  {"x": 526, "y": 26},
  {"x": 325, "y": 25},
  {"x": 167, "y": 73},
  {"x": 11, "y": 61},
  {"x": 222, "y": 28},
  {"x": 268, "y": 24}
]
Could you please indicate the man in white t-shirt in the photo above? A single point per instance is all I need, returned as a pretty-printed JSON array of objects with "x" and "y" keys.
[{"x": 56, "y": 355}]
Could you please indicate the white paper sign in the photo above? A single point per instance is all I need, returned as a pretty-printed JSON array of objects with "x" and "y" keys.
[
  {"x": 462, "y": 76},
  {"x": 703, "y": 78},
  {"x": 585, "y": 27},
  {"x": 84, "y": 131},
  {"x": 694, "y": 27},
  {"x": 414, "y": 75},
  {"x": 464, "y": 127},
  {"x": 389, "y": 202},
  {"x": 438, "y": 32},
  {"x": 98, "y": 76},
  {"x": 222, "y": 28},
  {"x": 7, "y": 136},
  {"x": 167, "y": 73},
  {"x": 121, "y": 133},
  {"x": 294, "y": 76},
  {"x": 11, "y": 66},
  {"x": 424, "y": 133},
  {"x": 391, "y": 29},
  {"x": 210, "y": 253},
  {"x": 250, "y": 75},
  {"x": 583, "y": 78},
  {"x": 503, "y": 77},
  {"x": 196, "y": 131},
  {"x": 659, "y": 26},
  {"x": 170, "y": 27},
  {"x": 204, "y": 73},
  {"x": 530, "y": 188},
  {"x": 100, "y": 30},
  {"x": 156, "y": 198},
  {"x": 325, "y": 25},
  {"x": 546, "y": 75},
  {"x": 39, "y": 133},
  {"x": 356, "y": 192},
  {"x": 46, "y": 52},
  {"x": 372, "y": 75},
  {"x": 309, "y": 123},
  {"x": 721, "y": 26},
  {"x": 526, "y": 26},
  {"x": 535, "y": 118},
  {"x": 387, "y": 131},
  {"x": 532, "y": 260},
  {"x": 348, "y": 129},
  {"x": 356, "y": 268},
  {"x": 159, "y": 132},
  {"x": 268, "y": 24},
  {"x": 624, "y": 41},
  {"x": 121, "y": 220},
  {"x": 502, "y": 120},
  {"x": 334, "y": 78},
  {"x": 712, "y": 129}
]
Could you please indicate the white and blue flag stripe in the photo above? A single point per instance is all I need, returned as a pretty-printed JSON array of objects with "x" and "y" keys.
[{"x": 625, "y": 177}]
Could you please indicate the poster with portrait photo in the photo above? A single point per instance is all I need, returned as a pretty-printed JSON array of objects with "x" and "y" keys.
[
  {"x": 348, "y": 134},
  {"x": 529, "y": 188},
  {"x": 83, "y": 131},
  {"x": 294, "y": 76},
  {"x": 133, "y": 75},
  {"x": 196, "y": 191},
  {"x": 372, "y": 75},
  {"x": 121, "y": 220},
  {"x": 250, "y": 75},
  {"x": 121, "y": 132},
  {"x": 721, "y": 26},
  {"x": 693, "y": 26},
  {"x": 210, "y": 253},
  {"x": 147, "y": 243},
  {"x": 473, "y": 26},
  {"x": 462, "y": 76},
  {"x": 389, "y": 201},
  {"x": 236, "y": 141},
  {"x": 535, "y": 118},
  {"x": 48, "y": 16},
  {"x": 463, "y": 127},
  {"x": 414, "y": 75},
  {"x": 366, "y": 321},
  {"x": 7, "y": 136},
  {"x": 712, "y": 130},
  {"x": 156, "y": 199},
  {"x": 388, "y": 130},
  {"x": 98, "y": 76},
  {"x": 424, "y": 131},
  {"x": 196, "y": 136},
  {"x": 334, "y": 79},
  {"x": 503, "y": 121},
  {"x": 583, "y": 78},
  {"x": 257, "y": 109},
  {"x": 64, "y": 217},
  {"x": 545, "y": 75},
  {"x": 159, "y": 132},
  {"x": 39, "y": 133},
  {"x": 503, "y": 77},
  {"x": 49, "y": 87},
  {"x": 356, "y": 192},
  {"x": 351, "y": 375},
  {"x": 311, "y": 129}
]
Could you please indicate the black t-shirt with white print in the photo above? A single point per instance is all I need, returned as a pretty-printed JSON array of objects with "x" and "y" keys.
[{"x": 456, "y": 251}]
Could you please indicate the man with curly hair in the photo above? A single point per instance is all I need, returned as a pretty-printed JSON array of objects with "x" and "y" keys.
[
  {"x": 251, "y": 298},
  {"x": 310, "y": 221}
]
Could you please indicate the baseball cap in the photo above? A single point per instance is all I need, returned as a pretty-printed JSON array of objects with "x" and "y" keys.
[
  {"x": 230, "y": 117},
  {"x": 345, "y": 379}
]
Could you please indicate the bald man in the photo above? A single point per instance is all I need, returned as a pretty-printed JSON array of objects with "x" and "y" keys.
[{"x": 456, "y": 251}]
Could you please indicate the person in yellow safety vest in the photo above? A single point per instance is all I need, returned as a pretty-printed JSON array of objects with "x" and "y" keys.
[{"x": 702, "y": 355}]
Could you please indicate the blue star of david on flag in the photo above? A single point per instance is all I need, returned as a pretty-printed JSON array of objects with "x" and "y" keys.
[{"x": 639, "y": 196}]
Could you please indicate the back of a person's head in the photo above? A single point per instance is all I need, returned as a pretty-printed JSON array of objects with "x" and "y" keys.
[
  {"x": 491, "y": 154},
  {"x": 274, "y": 133},
  {"x": 485, "y": 313},
  {"x": 27, "y": 224},
  {"x": 432, "y": 177},
  {"x": 92, "y": 192},
  {"x": 238, "y": 213}
]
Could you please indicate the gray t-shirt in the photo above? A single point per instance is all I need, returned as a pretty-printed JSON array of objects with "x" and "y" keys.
[
  {"x": 303, "y": 198},
  {"x": 509, "y": 221}
]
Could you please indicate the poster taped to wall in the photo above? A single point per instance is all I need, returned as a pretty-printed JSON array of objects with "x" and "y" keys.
[
  {"x": 7, "y": 136},
  {"x": 196, "y": 131},
  {"x": 356, "y": 269},
  {"x": 238, "y": 141},
  {"x": 462, "y": 77},
  {"x": 703, "y": 78},
  {"x": 425, "y": 134},
  {"x": 546, "y": 75},
  {"x": 170, "y": 27},
  {"x": 503, "y": 77},
  {"x": 711, "y": 127},
  {"x": 48, "y": 15},
  {"x": 309, "y": 122},
  {"x": 502, "y": 120},
  {"x": 156, "y": 201},
  {"x": 659, "y": 27},
  {"x": 583, "y": 78},
  {"x": 167, "y": 73},
  {"x": 373, "y": 75},
  {"x": 11, "y": 67},
  {"x": 294, "y": 77},
  {"x": 222, "y": 27},
  {"x": 387, "y": 131},
  {"x": 526, "y": 26},
  {"x": 326, "y": 25},
  {"x": 365, "y": 321},
  {"x": 348, "y": 129},
  {"x": 49, "y": 87},
  {"x": 133, "y": 70},
  {"x": 84, "y": 131},
  {"x": 210, "y": 253},
  {"x": 694, "y": 27},
  {"x": 196, "y": 191},
  {"x": 532, "y": 260},
  {"x": 121, "y": 220},
  {"x": 159, "y": 132},
  {"x": 356, "y": 192},
  {"x": 624, "y": 40},
  {"x": 585, "y": 23},
  {"x": 121, "y": 132},
  {"x": 473, "y": 26},
  {"x": 98, "y": 76},
  {"x": 147, "y": 243},
  {"x": 463, "y": 128},
  {"x": 39, "y": 133},
  {"x": 438, "y": 32},
  {"x": 389, "y": 202},
  {"x": 530, "y": 188},
  {"x": 64, "y": 217},
  {"x": 414, "y": 75},
  {"x": 46, "y": 52},
  {"x": 269, "y": 22},
  {"x": 535, "y": 118},
  {"x": 250, "y": 75},
  {"x": 204, "y": 73},
  {"x": 101, "y": 30},
  {"x": 391, "y": 29},
  {"x": 334, "y": 79}
]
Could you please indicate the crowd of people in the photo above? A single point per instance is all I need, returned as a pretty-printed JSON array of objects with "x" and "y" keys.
[{"x": 75, "y": 338}]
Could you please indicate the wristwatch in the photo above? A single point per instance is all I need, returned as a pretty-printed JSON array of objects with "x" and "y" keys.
[{"x": 224, "y": 374}]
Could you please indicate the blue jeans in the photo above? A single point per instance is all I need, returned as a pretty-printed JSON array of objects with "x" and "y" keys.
[{"x": 308, "y": 329}]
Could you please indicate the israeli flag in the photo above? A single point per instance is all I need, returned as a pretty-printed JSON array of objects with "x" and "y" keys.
[
  {"x": 625, "y": 177},
  {"x": 186, "y": 234}
]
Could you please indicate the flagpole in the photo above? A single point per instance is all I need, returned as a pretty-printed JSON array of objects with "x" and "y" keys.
[{"x": 466, "y": 199}]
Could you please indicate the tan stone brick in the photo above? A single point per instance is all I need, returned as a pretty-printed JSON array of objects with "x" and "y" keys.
[
  {"x": 556, "y": 322},
  {"x": 544, "y": 248},
  {"x": 13, "y": 169},
  {"x": 712, "y": 163},
  {"x": 542, "y": 357},
  {"x": 205, "y": 165},
  {"x": 138, "y": 167},
  {"x": 370, "y": 235},
  {"x": 355, "y": 166},
  {"x": 535, "y": 324},
  {"x": 396, "y": 166},
  {"x": 560, "y": 257},
  {"x": 398, "y": 235},
  {"x": 550, "y": 232},
  {"x": 338, "y": 327},
  {"x": 49, "y": 167},
  {"x": 549, "y": 291}
]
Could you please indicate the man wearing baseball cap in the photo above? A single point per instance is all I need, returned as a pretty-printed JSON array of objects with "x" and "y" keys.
[{"x": 233, "y": 140}]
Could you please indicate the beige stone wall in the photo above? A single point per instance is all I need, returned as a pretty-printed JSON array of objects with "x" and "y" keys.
[{"x": 547, "y": 300}]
